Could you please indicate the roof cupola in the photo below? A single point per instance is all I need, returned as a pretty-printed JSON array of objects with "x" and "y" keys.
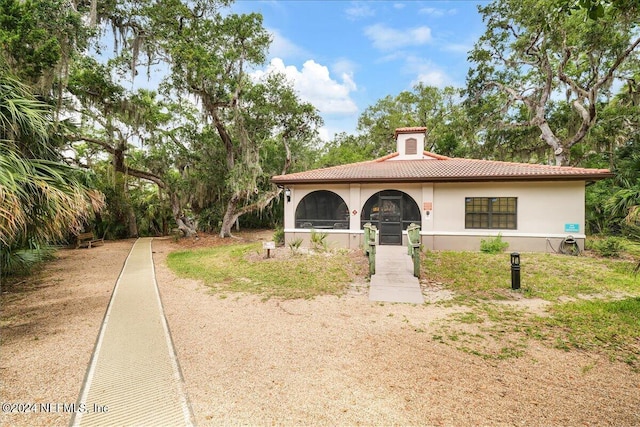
[{"x": 410, "y": 143}]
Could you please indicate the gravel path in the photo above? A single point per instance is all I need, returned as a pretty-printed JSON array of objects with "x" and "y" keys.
[{"x": 327, "y": 361}]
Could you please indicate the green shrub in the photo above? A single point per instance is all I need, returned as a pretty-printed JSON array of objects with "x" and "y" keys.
[
  {"x": 493, "y": 246},
  {"x": 17, "y": 262},
  {"x": 610, "y": 247},
  {"x": 319, "y": 240},
  {"x": 278, "y": 236},
  {"x": 294, "y": 245}
]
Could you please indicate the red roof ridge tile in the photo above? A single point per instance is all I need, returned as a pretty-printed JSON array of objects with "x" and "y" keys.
[
  {"x": 436, "y": 156},
  {"x": 387, "y": 157},
  {"x": 534, "y": 165},
  {"x": 396, "y": 154},
  {"x": 411, "y": 129}
]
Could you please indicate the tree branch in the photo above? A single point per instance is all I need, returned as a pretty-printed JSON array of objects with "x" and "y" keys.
[
  {"x": 145, "y": 175},
  {"x": 617, "y": 63},
  {"x": 566, "y": 79},
  {"x": 259, "y": 204},
  {"x": 92, "y": 140},
  {"x": 120, "y": 168},
  {"x": 588, "y": 116}
]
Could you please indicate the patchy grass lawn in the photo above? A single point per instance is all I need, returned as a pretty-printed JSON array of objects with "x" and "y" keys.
[
  {"x": 243, "y": 268},
  {"x": 548, "y": 276},
  {"x": 593, "y": 303},
  {"x": 610, "y": 326}
]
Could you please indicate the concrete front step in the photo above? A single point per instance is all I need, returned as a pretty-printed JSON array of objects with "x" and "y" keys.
[{"x": 394, "y": 280}]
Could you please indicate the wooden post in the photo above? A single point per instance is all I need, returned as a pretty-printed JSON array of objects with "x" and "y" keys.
[
  {"x": 372, "y": 250},
  {"x": 416, "y": 261},
  {"x": 367, "y": 232},
  {"x": 413, "y": 243}
]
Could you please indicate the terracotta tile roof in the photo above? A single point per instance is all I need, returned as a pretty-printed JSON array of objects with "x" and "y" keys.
[
  {"x": 416, "y": 129},
  {"x": 440, "y": 169}
]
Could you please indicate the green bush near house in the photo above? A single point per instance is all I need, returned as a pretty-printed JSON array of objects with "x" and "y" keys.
[
  {"x": 295, "y": 244},
  {"x": 610, "y": 247},
  {"x": 319, "y": 240},
  {"x": 494, "y": 245},
  {"x": 278, "y": 236}
]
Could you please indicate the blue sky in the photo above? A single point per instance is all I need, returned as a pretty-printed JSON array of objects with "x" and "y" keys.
[{"x": 343, "y": 56}]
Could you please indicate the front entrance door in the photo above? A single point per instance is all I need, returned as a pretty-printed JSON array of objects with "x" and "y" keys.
[{"x": 390, "y": 216}]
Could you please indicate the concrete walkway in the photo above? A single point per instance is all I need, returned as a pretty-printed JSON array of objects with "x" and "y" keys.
[
  {"x": 394, "y": 280},
  {"x": 133, "y": 377}
]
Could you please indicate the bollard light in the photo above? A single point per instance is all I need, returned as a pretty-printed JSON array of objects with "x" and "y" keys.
[
  {"x": 515, "y": 258},
  {"x": 515, "y": 270}
]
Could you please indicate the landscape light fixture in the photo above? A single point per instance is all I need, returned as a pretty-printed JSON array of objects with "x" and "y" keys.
[{"x": 515, "y": 271}]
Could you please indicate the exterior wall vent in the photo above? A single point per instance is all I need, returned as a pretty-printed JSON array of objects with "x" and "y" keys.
[{"x": 411, "y": 146}]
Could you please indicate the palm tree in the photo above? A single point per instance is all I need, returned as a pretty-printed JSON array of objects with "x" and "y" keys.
[{"x": 41, "y": 199}]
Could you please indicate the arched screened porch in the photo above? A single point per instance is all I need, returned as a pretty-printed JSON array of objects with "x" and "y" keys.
[
  {"x": 391, "y": 211},
  {"x": 322, "y": 209}
]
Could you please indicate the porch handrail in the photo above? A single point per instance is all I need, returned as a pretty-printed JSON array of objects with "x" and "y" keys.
[
  {"x": 369, "y": 246},
  {"x": 413, "y": 247}
]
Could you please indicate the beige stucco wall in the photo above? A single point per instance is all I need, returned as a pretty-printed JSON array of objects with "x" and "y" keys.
[{"x": 543, "y": 210}]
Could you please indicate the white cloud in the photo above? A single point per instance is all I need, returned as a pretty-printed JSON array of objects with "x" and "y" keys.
[
  {"x": 315, "y": 85},
  {"x": 437, "y": 12},
  {"x": 359, "y": 10},
  {"x": 457, "y": 47},
  {"x": 427, "y": 73},
  {"x": 324, "y": 134},
  {"x": 433, "y": 78},
  {"x": 398, "y": 55},
  {"x": 282, "y": 47},
  {"x": 344, "y": 66},
  {"x": 431, "y": 11},
  {"x": 386, "y": 38}
]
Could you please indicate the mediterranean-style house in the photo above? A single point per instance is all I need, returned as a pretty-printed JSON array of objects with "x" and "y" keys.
[{"x": 457, "y": 202}]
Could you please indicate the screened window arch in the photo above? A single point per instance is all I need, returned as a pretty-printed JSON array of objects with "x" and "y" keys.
[
  {"x": 406, "y": 212},
  {"x": 322, "y": 209}
]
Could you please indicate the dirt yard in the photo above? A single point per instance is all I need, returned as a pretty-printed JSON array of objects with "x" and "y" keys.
[{"x": 326, "y": 361}]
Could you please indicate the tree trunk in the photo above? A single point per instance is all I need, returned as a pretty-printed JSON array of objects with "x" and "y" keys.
[
  {"x": 562, "y": 158},
  {"x": 133, "y": 224},
  {"x": 560, "y": 152},
  {"x": 232, "y": 213},
  {"x": 230, "y": 217},
  {"x": 185, "y": 225}
]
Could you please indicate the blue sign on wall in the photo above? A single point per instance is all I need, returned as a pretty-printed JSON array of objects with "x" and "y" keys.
[{"x": 572, "y": 228}]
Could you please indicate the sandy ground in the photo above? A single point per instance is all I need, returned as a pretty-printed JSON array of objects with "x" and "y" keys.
[{"x": 326, "y": 361}]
